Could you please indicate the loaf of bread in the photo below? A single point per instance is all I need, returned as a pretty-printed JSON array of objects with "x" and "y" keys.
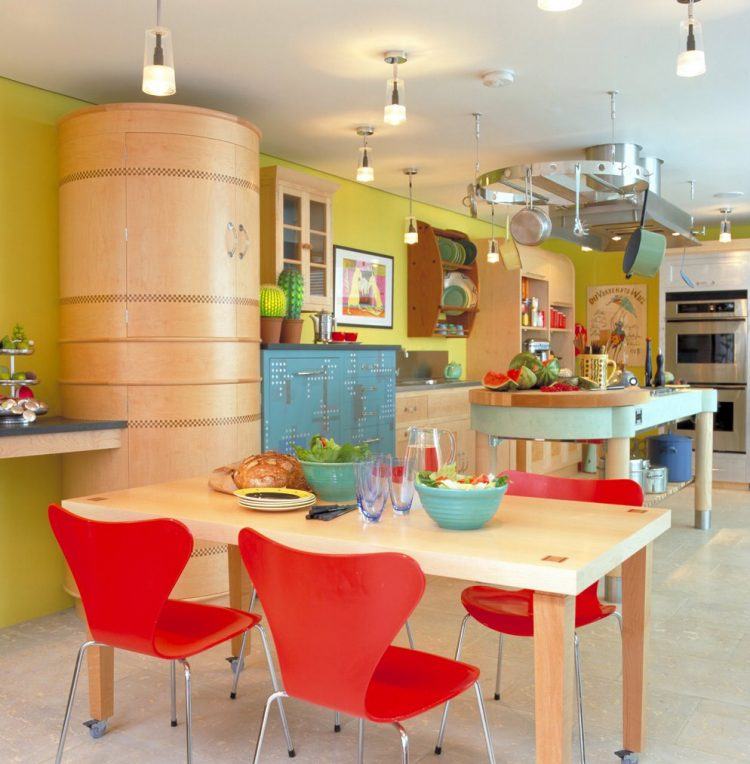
[{"x": 270, "y": 470}]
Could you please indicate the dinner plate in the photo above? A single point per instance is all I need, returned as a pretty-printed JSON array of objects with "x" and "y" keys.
[{"x": 274, "y": 499}]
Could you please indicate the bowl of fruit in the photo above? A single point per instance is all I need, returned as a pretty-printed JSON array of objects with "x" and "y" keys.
[
  {"x": 460, "y": 502},
  {"x": 329, "y": 467}
]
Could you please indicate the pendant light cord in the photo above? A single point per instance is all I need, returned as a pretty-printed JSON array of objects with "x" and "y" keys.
[
  {"x": 477, "y": 117},
  {"x": 410, "y": 195},
  {"x": 158, "y": 13}
]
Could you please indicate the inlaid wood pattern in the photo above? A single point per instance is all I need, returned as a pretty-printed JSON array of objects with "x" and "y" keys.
[
  {"x": 203, "y": 299},
  {"x": 173, "y": 172},
  {"x": 209, "y": 422}
]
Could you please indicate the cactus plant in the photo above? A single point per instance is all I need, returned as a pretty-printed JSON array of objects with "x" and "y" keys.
[
  {"x": 272, "y": 301},
  {"x": 293, "y": 284}
]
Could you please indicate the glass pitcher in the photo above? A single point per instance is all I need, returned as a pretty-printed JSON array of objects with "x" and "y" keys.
[{"x": 424, "y": 448}]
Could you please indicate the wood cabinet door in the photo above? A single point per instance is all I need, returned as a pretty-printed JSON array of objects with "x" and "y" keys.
[{"x": 182, "y": 238}]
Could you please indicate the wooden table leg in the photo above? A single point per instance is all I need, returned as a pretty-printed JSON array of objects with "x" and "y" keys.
[
  {"x": 617, "y": 467},
  {"x": 636, "y": 589},
  {"x": 239, "y": 588},
  {"x": 554, "y": 619},
  {"x": 704, "y": 457},
  {"x": 101, "y": 669}
]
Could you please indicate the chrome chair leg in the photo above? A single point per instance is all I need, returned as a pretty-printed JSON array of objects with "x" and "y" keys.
[
  {"x": 253, "y": 598},
  {"x": 485, "y": 726},
  {"x": 71, "y": 697},
  {"x": 272, "y": 698},
  {"x": 188, "y": 712},
  {"x": 404, "y": 743},
  {"x": 499, "y": 666},
  {"x": 409, "y": 635},
  {"x": 444, "y": 720},
  {"x": 361, "y": 741},
  {"x": 579, "y": 694},
  {"x": 618, "y": 615},
  {"x": 337, "y": 721},
  {"x": 240, "y": 661},
  {"x": 277, "y": 688},
  {"x": 173, "y": 692}
]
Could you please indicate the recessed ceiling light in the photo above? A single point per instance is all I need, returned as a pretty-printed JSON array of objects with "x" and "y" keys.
[
  {"x": 499, "y": 79},
  {"x": 617, "y": 238},
  {"x": 729, "y": 194},
  {"x": 675, "y": 233},
  {"x": 558, "y": 5}
]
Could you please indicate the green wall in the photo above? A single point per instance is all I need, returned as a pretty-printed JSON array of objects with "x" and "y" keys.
[{"x": 30, "y": 564}]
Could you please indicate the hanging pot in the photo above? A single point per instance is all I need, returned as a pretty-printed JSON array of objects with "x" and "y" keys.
[
  {"x": 645, "y": 250},
  {"x": 530, "y": 226}
]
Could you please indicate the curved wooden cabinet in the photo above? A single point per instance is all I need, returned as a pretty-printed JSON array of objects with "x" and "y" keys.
[{"x": 159, "y": 277}]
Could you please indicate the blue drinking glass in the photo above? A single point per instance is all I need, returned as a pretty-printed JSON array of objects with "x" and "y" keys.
[
  {"x": 372, "y": 487},
  {"x": 401, "y": 475}
]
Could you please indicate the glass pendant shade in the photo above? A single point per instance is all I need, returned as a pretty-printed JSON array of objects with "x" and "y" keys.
[
  {"x": 365, "y": 171},
  {"x": 691, "y": 59},
  {"x": 493, "y": 253},
  {"x": 411, "y": 236},
  {"x": 395, "y": 105},
  {"x": 558, "y": 5},
  {"x": 158, "y": 63},
  {"x": 725, "y": 235}
]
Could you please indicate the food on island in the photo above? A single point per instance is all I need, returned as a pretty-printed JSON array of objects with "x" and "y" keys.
[
  {"x": 549, "y": 372},
  {"x": 17, "y": 340},
  {"x": 270, "y": 470},
  {"x": 449, "y": 477},
  {"x": 587, "y": 384},
  {"x": 566, "y": 374},
  {"x": 559, "y": 387},
  {"x": 19, "y": 375},
  {"x": 25, "y": 392},
  {"x": 529, "y": 360},
  {"x": 496, "y": 380},
  {"x": 668, "y": 378},
  {"x": 4, "y": 372},
  {"x": 322, "y": 449},
  {"x": 523, "y": 376}
]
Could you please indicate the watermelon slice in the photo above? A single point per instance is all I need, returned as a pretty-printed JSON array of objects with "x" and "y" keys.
[
  {"x": 495, "y": 380},
  {"x": 523, "y": 376}
]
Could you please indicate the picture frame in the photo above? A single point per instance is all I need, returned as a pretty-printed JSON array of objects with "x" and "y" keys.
[{"x": 362, "y": 288}]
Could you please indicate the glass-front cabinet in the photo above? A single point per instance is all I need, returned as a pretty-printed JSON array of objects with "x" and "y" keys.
[{"x": 297, "y": 231}]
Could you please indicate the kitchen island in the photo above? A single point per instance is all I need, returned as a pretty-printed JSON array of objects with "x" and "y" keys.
[
  {"x": 614, "y": 416},
  {"x": 59, "y": 435}
]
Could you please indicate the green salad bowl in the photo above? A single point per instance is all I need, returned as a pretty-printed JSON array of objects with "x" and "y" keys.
[
  {"x": 460, "y": 510},
  {"x": 331, "y": 481}
]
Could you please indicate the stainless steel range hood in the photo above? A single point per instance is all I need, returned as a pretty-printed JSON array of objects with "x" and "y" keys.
[{"x": 613, "y": 179}]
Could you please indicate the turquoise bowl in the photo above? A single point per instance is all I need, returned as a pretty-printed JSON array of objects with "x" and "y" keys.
[
  {"x": 331, "y": 481},
  {"x": 461, "y": 510}
]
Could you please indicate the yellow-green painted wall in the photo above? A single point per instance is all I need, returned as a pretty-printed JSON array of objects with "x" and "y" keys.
[{"x": 30, "y": 564}]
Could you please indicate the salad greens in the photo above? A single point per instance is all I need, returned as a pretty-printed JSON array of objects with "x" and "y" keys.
[
  {"x": 327, "y": 450},
  {"x": 449, "y": 477}
]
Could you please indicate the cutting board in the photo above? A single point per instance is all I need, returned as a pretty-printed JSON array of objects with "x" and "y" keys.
[{"x": 582, "y": 399}]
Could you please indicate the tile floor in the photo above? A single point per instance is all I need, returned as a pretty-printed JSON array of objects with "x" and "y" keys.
[{"x": 699, "y": 694}]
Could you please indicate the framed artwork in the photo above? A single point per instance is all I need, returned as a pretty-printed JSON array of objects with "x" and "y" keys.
[
  {"x": 620, "y": 309},
  {"x": 362, "y": 288}
]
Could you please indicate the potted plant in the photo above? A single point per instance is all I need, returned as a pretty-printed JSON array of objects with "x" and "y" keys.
[
  {"x": 292, "y": 282},
  {"x": 272, "y": 312}
]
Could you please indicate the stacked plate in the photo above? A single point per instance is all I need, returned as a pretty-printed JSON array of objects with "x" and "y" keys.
[
  {"x": 274, "y": 499},
  {"x": 456, "y": 251},
  {"x": 459, "y": 294}
]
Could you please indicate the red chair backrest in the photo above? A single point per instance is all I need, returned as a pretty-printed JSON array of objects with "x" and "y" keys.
[
  {"x": 125, "y": 572},
  {"x": 332, "y": 616},
  {"x": 575, "y": 489}
]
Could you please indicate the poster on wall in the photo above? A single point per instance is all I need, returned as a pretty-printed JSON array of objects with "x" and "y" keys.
[
  {"x": 362, "y": 288},
  {"x": 620, "y": 310}
]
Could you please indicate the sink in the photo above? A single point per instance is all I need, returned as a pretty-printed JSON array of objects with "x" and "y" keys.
[{"x": 430, "y": 381}]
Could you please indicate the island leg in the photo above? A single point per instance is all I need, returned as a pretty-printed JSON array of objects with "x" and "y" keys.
[
  {"x": 101, "y": 670},
  {"x": 704, "y": 453},
  {"x": 554, "y": 620},
  {"x": 617, "y": 466}
]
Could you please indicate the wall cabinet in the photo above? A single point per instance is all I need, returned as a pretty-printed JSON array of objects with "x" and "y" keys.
[
  {"x": 343, "y": 393},
  {"x": 297, "y": 231}
]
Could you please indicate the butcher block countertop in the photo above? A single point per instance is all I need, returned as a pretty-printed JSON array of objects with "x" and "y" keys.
[{"x": 582, "y": 399}]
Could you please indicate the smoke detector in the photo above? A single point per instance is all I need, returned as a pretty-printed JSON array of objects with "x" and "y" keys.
[{"x": 499, "y": 79}]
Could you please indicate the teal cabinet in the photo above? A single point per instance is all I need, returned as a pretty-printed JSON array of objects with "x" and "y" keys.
[{"x": 346, "y": 393}]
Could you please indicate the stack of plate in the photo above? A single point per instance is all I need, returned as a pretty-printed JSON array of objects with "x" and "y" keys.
[
  {"x": 459, "y": 294},
  {"x": 274, "y": 499},
  {"x": 456, "y": 251}
]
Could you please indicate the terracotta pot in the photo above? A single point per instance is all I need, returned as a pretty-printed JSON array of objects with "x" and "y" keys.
[
  {"x": 270, "y": 329},
  {"x": 291, "y": 330}
]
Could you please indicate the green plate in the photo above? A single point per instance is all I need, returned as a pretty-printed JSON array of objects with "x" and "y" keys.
[{"x": 446, "y": 249}]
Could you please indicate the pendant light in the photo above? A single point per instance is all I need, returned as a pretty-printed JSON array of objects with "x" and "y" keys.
[
  {"x": 410, "y": 229},
  {"x": 395, "y": 105},
  {"x": 691, "y": 60},
  {"x": 725, "y": 232},
  {"x": 558, "y": 5},
  {"x": 365, "y": 170},
  {"x": 158, "y": 60},
  {"x": 493, "y": 253}
]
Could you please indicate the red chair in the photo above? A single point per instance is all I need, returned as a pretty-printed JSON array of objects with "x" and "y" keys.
[
  {"x": 125, "y": 572},
  {"x": 512, "y": 612},
  {"x": 333, "y": 618}
]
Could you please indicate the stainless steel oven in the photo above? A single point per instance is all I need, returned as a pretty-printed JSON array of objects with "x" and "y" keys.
[
  {"x": 730, "y": 419},
  {"x": 706, "y": 336}
]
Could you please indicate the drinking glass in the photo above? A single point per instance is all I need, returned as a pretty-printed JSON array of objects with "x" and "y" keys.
[
  {"x": 372, "y": 487},
  {"x": 401, "y": 475}
]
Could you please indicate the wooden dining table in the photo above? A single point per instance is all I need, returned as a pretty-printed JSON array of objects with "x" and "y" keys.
[{"x": 555, "y": 547}]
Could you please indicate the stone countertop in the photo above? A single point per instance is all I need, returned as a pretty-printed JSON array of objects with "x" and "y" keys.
[
  {"x": 46, "y": 425},
  {"x": 350, "y": 346},
  {"x": 412, "y": 388}
]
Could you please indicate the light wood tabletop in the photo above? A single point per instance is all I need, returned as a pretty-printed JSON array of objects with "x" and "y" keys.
[{"x": 555, "y": 547}]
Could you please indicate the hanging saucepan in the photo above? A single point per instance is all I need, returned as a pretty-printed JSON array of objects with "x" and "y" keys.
[
  {"x": 645, "y": 250},
  {"x": 530, "y": 226}
]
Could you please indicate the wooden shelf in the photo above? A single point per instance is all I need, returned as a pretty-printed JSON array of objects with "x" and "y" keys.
[
  {"x": 455, "y": 266},
  {"x": 557, "y": 329},
  {"x": 534, "y": 329},
  {"x": 560, "y": 304},
  {"x": 450, "y": 336},
  {"x": 443, "y": 308}
]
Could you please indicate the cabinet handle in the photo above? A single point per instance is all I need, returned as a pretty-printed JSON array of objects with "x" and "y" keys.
[
  {"x": 315, "y": 373},
  {"x": 231, "y": 245},
  {"x": 367, "y": 441},
  {"x": 246, "y": 237},
  {"x": 306, "y": 246}
]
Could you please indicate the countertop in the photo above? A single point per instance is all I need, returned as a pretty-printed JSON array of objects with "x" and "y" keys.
[
  {"x": 349, "y": 346},
  {"x": 437, "y": 386},
  {"x": 50, "y": 425}
]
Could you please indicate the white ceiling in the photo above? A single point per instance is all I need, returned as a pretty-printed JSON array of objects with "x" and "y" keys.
[{"x": 308, "y": 72}]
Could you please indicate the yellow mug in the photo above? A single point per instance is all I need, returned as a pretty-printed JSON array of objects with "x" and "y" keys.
[{"x": 599, "y": 368}]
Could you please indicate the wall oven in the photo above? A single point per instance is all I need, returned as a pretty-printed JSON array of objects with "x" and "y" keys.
[
  {"x": 729, "y": 420},
  {"x": 706, "y": 336}
]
